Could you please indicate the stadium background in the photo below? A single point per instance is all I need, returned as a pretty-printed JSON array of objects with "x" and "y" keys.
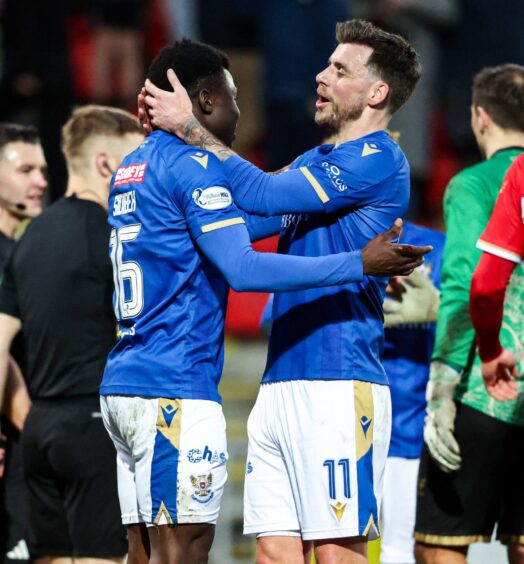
[{"x": 59, "y": 54}]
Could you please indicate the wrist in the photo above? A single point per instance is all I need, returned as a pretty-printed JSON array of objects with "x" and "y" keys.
[
  {"x": 490, "y": 351},
  {"x": 443, "y": 379}
]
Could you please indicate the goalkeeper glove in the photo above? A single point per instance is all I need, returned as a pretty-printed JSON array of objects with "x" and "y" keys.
[
  {"x": 439, "y": 424},
  {"x": 417, "y": 303}
]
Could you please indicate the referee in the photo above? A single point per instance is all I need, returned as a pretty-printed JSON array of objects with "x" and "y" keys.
[
  {"x": 22, "y": 184},
  {"x": 58, "y": 287}
]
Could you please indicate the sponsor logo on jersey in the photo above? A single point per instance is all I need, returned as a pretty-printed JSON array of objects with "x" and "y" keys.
[
  {"x": 196, "y": 455},
  {"x": 202, "y": 487},
  {"x": 130, "y": 174},
  {"x": 213, "y": 198},
  {"x": 333, "y": 173},
  {"x": 370, "y": 149},
  {"x": 124, "y": 203}
]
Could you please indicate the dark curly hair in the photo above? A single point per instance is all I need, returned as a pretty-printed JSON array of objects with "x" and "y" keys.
[{"x": 196, "y": 64}]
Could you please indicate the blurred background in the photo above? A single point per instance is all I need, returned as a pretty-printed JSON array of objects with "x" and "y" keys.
[{"x": 56, "y": 55}]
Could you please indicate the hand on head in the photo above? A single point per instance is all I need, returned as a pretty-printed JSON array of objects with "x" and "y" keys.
[{"x": 169, "y": 111}]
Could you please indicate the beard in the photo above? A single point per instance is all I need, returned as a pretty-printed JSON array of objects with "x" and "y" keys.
[{"x": 339, "y": 115}]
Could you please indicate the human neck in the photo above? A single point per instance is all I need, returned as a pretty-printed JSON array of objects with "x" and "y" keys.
[
  {"x": 87, "y": 189},
  {"x": 8, "y": 223},
  {"x": 503, "y": 140},
  {"x": 365, "y": 125}
]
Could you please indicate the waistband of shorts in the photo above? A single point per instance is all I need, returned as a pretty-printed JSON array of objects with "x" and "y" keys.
[{"x": 67, "y": 400}]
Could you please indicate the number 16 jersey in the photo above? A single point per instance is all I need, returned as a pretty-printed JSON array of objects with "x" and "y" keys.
[{"x": 169, "y": 299}]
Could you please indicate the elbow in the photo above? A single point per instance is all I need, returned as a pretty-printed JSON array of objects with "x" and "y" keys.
[
  {"x": 239, "y": 285},
  {"x": 237, "y": 281}
]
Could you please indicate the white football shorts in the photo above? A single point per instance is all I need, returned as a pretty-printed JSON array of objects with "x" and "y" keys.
[
  {"x": 316, "y": 457},
  {"x": 399, "y": 504},
  {"x": 171, "y": 458}
]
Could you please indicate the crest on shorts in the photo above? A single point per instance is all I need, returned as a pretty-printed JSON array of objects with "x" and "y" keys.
[{"x": 202, "y": 487}]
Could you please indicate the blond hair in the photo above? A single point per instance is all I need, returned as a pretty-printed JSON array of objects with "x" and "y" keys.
[{"x": 92, "y": 121}]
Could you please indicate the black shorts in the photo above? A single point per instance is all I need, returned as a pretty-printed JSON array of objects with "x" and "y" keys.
[
  {"x": 70, "y": 468},
  {"x": 14, "y": 505},
  {"x": 463, "y": 507}
]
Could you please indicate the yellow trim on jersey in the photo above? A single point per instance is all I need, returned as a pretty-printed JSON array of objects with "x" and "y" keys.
[
  {"x": 449, "y": 540},
  {"x": 221, "y": 224},
  {"x": 364, "y": 420},
  {"x": 315, "y": 183},
  {"x": 500, "y": 252}
]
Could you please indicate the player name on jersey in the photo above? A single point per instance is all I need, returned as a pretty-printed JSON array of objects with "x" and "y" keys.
[{"x": 124, "y": 203}]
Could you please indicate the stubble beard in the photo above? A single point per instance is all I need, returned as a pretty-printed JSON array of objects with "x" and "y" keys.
[{"x": 339, "y": 116}]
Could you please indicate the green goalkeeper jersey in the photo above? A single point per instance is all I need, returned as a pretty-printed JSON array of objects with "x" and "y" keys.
[{"x": 468, "y": 202}]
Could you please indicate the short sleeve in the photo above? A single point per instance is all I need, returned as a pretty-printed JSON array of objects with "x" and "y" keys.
[
  {"x": 203, "y": 194},
  {"x": 504, "y": 234},
  {"x": 349, "y": 176},
  {"x": 8, "y": 298}
]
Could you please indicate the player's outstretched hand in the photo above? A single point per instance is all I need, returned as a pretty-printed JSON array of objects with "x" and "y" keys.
[
  {"x": 439, "y": 424},
  {"x": 412, "y": 299},
  {"x": 381, "y": 257},
  {"x": 170, "y": 111},
  {"x": 499, "y": 376}
]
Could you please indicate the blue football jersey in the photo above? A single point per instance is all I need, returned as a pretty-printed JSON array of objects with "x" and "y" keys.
[
  {"x": 407, "y": 355},
  {"x": 170, "y": 301},
  {"x": 337, "y": 332}
]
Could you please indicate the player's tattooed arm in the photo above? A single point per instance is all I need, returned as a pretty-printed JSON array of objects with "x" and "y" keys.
[{"x": 194, "y": 133}]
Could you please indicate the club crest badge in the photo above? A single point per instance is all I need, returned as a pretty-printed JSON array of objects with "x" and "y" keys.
[{"x": 202, "y": 487}]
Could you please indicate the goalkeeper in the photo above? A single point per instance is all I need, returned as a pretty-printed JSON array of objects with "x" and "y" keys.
[
  {"x": 409, "y": 319},
  {"x": 473, "y": 455}
]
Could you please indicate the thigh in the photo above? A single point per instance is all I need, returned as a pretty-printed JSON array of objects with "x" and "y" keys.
[
  {"x": 334, "y": 438},
  {"x": 398, "y": 510},
  {"x": 14, "y": 503},
  {"x": 510, "y": 528},
  {"x": 47, "y": 532},
  {"x": 202, "y": 465},
  {"x": 125, "y": 467},
  {"x": 462, "y": 507},
  {"x": 83, "y": 455},
  {"x": 269, "y": 505},
  {"x": 179, "y": 452}
]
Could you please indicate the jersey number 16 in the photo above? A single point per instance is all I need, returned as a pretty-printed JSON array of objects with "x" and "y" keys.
[{"x": 128, "y": 276}]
